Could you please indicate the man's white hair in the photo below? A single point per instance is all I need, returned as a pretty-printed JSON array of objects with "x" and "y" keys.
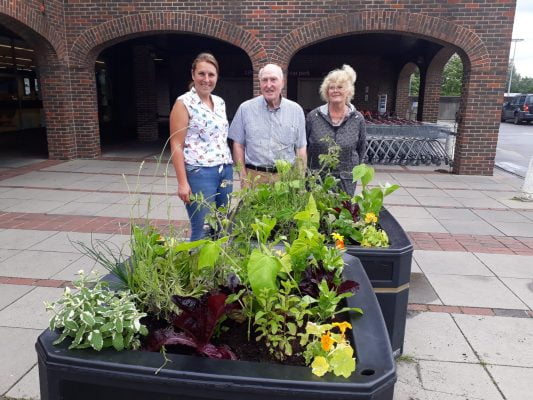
[{"x": 274, "y": 67}]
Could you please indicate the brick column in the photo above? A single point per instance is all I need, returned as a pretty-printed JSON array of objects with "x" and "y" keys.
[
  {"x": 145, "y": 93},
  {"x": 402, "y": 103},
  {"x": 57, "y": 108},
  {"x": 477, "y": 134}
]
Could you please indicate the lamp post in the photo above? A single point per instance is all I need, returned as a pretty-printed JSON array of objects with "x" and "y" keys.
[{"x": 512, "y": 63}]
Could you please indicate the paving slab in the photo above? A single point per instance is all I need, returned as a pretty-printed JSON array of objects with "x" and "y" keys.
[
  {"x": 524, "y": 229},
  {"x": 438, "y": 201},
  {"x": 522, "y": 288},
  {"x": 43, "y": 194},
  {"x": 458, "y": 379},
  {"x": 453, "y": 214},
  {"x": 17, "y": 356},
  {"x": 527, "y": 214},
  {"x": 35, "y": 206},
  {"x": 474, "y": 291},
  {"x": 481, "y": 203},
  {"x": 515, "y": 204},
  {"x": 514, "y": 382},
  {"x": 85, "y": 263},
  {"x": 27, "y": 387},
  {"x": 78, "y": 208},
  {"x": 508, "y": 265},
  {"x": 500, "y": 215},
  {"x": 435, "y": 336},
  {"x": 421, "y": 291},
  {"x": 36, "y": 264},
  {"x": 450, "y": 262},
  {"x": 401, "y": 200},
  {"x": 65, "y": 241},
  {"x": 408, "y": 212},
  {"x": 421, "y": 225},
  {"x": 29, "y": 310},
  {"x": 414, "y": 267},
  {"x": 6, "y": 203},
  {"x": 11, "y": 293},
  {"x": 465, "y": 194},
  {"x": 5, "y": 254},
  {"x": 22, "y": 239},
  {"x": 408, "y": 385},
  {"x": 499, "y": 340},
  {"x": 469, "y": 227},
  {"x": 418, "y": 192},
  {"x": 451, "y": 185}
]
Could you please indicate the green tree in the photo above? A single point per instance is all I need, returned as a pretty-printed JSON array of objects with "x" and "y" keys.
[
  {"x": 414, "y": 86},
  {"x": 452, "y": 77}
]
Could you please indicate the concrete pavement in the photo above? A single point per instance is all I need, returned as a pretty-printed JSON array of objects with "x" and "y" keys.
[{"x": 470, "y": 325}]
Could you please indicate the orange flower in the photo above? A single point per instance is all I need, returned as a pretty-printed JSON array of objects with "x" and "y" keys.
[
  {"x": 339, "y": 244},
  {"x": 327, "y": 341}
]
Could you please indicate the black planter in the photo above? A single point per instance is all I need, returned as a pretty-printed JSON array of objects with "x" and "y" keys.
[
  {"x": 87, "y": 374},
  {"x": 389, "y": 271}
]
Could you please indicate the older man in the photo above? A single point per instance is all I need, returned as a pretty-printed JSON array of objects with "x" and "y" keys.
[{"x": 268, "y": 128}]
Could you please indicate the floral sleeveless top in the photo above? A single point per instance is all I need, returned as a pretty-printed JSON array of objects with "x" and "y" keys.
[{"x": 206, "y": 140}]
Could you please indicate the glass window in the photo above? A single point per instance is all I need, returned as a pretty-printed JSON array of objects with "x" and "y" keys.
[{"x": 27, "y": 88}]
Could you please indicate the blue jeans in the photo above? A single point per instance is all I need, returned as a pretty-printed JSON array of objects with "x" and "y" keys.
[{"x": 215, "y": 183}]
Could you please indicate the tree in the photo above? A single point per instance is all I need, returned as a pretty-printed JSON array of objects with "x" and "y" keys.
[
  {"x": 452, "y": 77},
  {"x": 519, "y": 84}
]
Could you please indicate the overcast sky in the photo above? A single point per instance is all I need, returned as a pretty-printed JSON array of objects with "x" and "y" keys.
[{"x": 523, "y": 29}]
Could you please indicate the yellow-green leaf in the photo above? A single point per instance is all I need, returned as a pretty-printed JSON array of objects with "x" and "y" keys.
[{"x": 320, "y": 366}]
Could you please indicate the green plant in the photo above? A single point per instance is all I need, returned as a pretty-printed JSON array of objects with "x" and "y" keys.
[
  {"x": 327, "y": 351},
  {"x": 97, "y": 317},
  {"x": 370, "y": 200},
  {"x": 279, "y": 316}
]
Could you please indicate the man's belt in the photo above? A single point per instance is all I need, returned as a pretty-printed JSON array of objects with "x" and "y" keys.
[{"x": 261, "y": 169}]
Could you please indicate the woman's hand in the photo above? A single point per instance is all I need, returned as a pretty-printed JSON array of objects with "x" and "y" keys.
[{"x": 184, "y": 193}]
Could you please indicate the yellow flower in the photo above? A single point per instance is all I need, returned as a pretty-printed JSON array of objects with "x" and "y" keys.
[
  {"x": 343, "y": 326},
  {"x": 336, "y": 236},
  {"x": 370, "y": 218},
  {"x": 327, "y": 341}
]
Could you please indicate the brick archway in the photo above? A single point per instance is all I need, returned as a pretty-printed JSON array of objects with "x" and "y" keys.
[
  {"x": 433, "y": 84},
  {"x": 421, "y": 25},
  {"x": 50, "y": 51},
  {"x": 32, "y": 26},
  {"x": 402, "y": 89},
  {"x": 482, "y": 79},
  {"x": 88, "y": 45}
]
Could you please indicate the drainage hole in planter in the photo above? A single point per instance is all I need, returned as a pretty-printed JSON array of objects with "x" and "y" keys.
[{"x": 368, "y": 372}]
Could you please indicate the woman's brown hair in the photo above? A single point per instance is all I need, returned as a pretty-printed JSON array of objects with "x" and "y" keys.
[{"x": 205, "y": 57}]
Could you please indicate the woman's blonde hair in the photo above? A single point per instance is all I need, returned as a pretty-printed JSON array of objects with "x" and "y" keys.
[{"x": 344, "y": 77}]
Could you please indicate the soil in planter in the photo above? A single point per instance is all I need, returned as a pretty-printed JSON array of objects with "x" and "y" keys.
[{"x": 234, "y": 335}]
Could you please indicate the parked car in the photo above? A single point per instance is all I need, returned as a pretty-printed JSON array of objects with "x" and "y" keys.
[{"x": 519, "y": 108}]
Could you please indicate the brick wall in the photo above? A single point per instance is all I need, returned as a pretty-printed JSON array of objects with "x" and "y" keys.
[{"x": 74, "y": 32}]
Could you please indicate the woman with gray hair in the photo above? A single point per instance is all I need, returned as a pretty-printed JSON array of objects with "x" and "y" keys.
[{"x": 339, "y": 121}]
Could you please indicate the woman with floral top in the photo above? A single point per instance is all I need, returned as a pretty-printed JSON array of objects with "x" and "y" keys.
[{"x": 198, "y": 142}]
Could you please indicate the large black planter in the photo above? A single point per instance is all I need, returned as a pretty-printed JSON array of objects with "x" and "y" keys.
[
  {"x": 389, "y": 271},
  {"x": 87, "y": 374}
]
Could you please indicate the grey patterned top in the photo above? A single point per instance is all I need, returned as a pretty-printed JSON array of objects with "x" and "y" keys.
[
  {"x": 268, "y": 135},
  {"x": 350, "y": 135}
]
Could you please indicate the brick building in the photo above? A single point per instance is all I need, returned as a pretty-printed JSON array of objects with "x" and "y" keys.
[{"x": 106, "y": 70}]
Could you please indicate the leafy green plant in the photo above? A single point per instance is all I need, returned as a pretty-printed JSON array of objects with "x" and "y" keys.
[
  {"x": 370, "y": 200},
  {"x": 97, "y": 317},
  {"x": 279, "y": 316},
  {"x": 328, "y": 351}
]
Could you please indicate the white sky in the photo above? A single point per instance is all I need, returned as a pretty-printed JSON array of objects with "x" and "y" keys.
[{"x": 523, "y": 29}]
